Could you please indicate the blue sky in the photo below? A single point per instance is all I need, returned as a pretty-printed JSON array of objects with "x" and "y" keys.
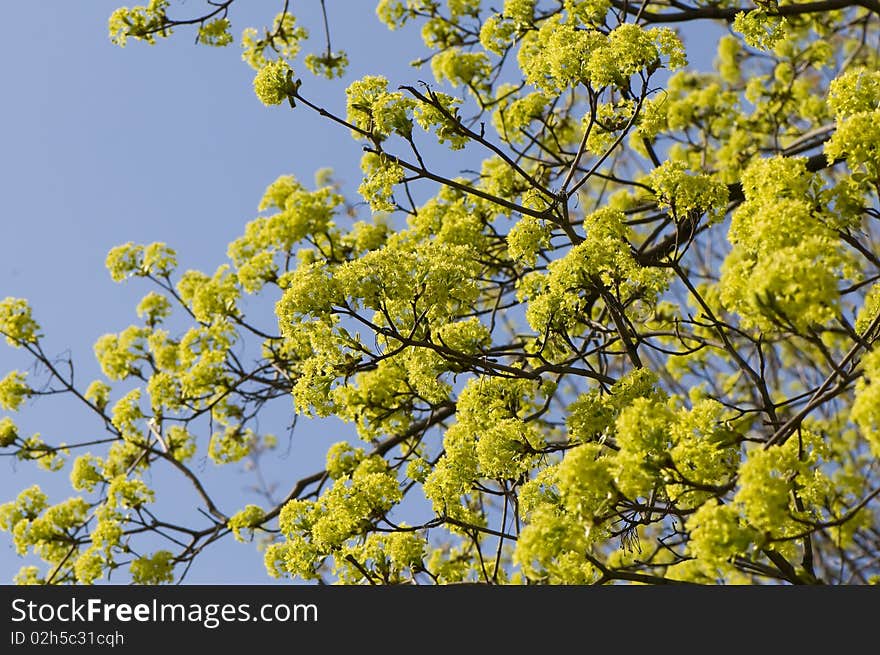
[{"x": 102, "y": 145}]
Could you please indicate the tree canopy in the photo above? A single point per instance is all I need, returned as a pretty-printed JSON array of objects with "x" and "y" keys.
[{"x": 631, "y": 339}]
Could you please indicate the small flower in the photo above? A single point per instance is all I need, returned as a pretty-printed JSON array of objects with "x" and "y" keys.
[
  {"x": 13, "y": 391},
  {"x": 274, "y": 82}
]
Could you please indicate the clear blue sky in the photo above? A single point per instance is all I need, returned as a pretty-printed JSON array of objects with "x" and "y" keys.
[{"x": 102, "y": 145}]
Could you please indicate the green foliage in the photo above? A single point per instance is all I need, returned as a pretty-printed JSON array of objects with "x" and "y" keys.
[
  {"x": 13, "y": 391},
  {"x": 787, "y": 262},
  {"x": 141, "y": 22},
  {"x": 248, "y": 518},
  {"x": 16, "y": 322},
  {"x": 634, "y": 340},
  {"x": 8, "y": 432},
  {"x": 274, "y": 83},
  {"x": 215, "y": 33},
  {"x": 155, "y": 569},
  {"x": 283, "y": 39}
]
